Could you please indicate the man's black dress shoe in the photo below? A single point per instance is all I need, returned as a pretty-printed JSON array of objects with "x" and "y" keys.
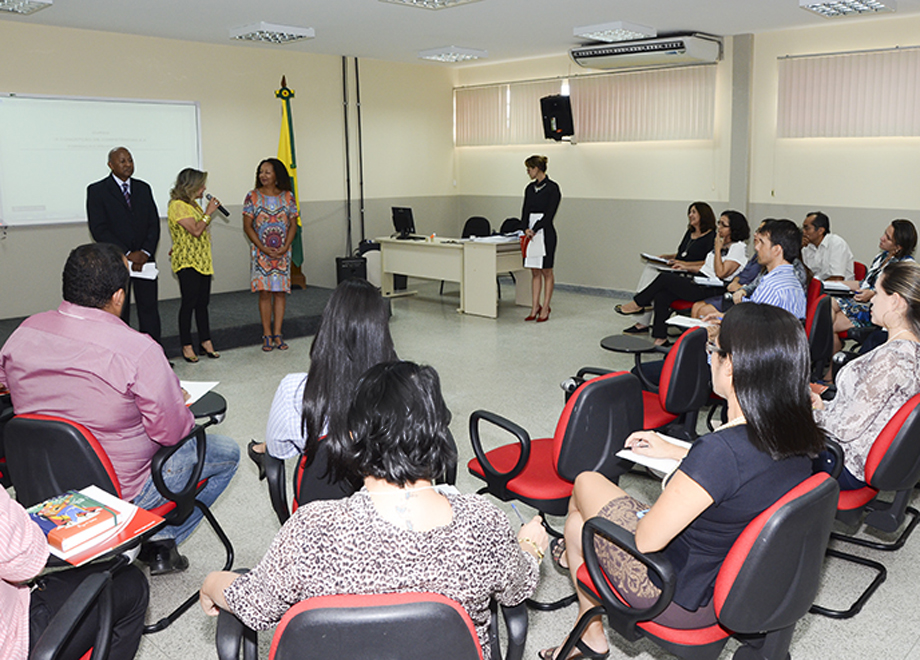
[{"x": 162, "y": 557}]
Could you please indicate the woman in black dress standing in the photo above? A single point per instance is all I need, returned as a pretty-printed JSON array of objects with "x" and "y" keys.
[{"x": 541, "y": 199}]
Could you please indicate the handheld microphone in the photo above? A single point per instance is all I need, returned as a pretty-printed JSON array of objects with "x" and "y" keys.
[{"x": 220, "y": 207}]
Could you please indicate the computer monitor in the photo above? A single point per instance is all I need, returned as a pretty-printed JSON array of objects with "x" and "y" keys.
[{"x": 403, "y": 222}]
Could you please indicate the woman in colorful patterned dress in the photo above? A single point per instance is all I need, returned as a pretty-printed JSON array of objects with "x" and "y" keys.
[
  {"x": 190, "y": 229},
  {"x": 269, "y": 220}
]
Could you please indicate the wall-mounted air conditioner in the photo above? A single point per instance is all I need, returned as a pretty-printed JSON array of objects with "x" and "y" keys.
[{"x": 664, "y": 51}]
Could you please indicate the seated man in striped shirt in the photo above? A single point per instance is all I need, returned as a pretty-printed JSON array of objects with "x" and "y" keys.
[{"x": 778, "y": 244}]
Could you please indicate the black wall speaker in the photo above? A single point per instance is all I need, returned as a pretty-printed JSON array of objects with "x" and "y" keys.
[{"x": 557, "y": 117}]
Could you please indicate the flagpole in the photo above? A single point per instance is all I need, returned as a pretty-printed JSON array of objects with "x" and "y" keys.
[{"x": 287, "y": 154}]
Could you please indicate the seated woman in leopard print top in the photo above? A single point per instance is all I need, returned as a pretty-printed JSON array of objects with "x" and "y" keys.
[{"x": 400, "y": 532}]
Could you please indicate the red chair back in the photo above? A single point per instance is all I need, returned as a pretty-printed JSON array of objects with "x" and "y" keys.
[
  {"x": 684, "y": 384},
  {"x": 859, "y": 270},
  {"x": 49, "y": 455},
  {"x": 894, "y": 460},
  {"x": 409, "y": 626},
  {"x": 815, "y": 289}
]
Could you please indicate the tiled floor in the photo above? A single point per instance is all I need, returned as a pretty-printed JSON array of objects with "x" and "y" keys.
[{"x": 512, "y": 368}]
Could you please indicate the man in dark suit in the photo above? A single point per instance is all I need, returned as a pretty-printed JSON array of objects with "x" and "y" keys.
[{"x": 121, "y": 211}]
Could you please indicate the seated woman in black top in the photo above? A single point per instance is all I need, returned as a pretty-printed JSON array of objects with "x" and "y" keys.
[
  {"x": 691, "y": 252},
  {"x": 760, "y": 365}
]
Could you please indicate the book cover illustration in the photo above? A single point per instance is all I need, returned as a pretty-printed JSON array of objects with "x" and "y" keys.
[{"x": 72, "y": 518}]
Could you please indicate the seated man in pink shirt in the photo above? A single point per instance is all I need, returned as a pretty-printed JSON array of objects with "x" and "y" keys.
[{"x": 83, "y": 363}]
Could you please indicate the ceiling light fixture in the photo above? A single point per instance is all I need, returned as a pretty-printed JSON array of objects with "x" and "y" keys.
[
  {"x": 430, "y": 4},
  {"x": 616, "y": 31},
  {"x": 271, "y": 33},
  {"x": 24, "y": 6},
  {"x": 838, "y": 8},
  {"x": 452, "y": 54}
]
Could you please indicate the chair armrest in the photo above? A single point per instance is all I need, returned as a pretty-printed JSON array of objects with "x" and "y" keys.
[
  {"x": 493, "y": 475},
  {"x": 835, "y": 450},
  {"x": 213, "y": 406},
  {"x": 516, "y": 626},
  {"x": 644, "y": 382},
  {"x": 655, "y": 562},
  {"x": 275, "y": 475},
  {"x": 231, "y": 635},
  {"x": 185, "y": 497},
  {"x": 593, "y": 371},
  {"x": 96, "y": 587}
]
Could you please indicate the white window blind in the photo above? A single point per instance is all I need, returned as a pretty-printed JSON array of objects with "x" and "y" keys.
[
  {"x": 480, "y": 116},
  {"x": 665, "y": 104},
  {"x": 871, "y": 94}
]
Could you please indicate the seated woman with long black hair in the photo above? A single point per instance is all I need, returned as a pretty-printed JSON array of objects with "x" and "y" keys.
[
  {"x": 760, "y": 365},
  {"x": 400, "y": 532},
  {"x": 727, "y": 255},
  {"x": 353, "y": 335}
]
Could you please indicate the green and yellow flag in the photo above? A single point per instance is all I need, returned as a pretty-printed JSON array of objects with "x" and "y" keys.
[{"x": 288, "y": 155}]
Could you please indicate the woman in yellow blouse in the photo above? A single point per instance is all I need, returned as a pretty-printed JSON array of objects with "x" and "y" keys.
[{"x": 190, "y": 230}]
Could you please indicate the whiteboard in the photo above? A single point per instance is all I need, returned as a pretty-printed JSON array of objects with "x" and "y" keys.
[{"x": 51, "y": 148}]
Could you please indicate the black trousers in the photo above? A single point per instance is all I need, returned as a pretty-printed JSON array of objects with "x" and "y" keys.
[
  {"x": 195, "y": 289},
  {"x": 148, "y": 313},
  {"x": 130, "y": 593},
  {"x": 665, "y": 289}
]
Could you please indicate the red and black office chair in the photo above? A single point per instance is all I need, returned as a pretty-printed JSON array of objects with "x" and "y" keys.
[
  {"x": 893, "y": 464},
  {"x": 594, "y": 424},
  {"x": 859, "y": 271},
  {"x": 311, "y": 482},
  {"x": 50, "y": 455},
  {"x": 683, "y": 387},
  {"x": 819, "y": 328},
  {"x": 95, "y": 588},
  {"x": 765, "y": 585},
  {"x": 408, "y": 626}
]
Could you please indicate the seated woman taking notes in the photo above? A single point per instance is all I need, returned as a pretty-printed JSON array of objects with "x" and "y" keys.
[{"x": 760, "y": 365}]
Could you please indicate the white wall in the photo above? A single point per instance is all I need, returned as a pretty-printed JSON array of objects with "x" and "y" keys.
[
  {"x": 862, "y": 183},
  {"x": 407, "y": 114}
]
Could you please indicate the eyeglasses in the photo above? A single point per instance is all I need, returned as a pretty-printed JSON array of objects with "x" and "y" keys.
[{"x": 710, "y": 349}]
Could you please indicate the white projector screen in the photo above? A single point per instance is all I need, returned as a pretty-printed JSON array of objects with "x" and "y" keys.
[{"x": 51, "y": 148}]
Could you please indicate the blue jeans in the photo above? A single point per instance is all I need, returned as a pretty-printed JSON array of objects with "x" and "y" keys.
[{"x": 221, "y": 460}]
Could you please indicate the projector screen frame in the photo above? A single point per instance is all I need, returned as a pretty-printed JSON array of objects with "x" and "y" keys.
[{"x": 75, "y": 157}]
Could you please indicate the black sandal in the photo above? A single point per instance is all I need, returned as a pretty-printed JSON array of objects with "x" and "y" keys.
[
  {"x": 557, "y": 552},
  {"x": 584, "y": 651},
  {"x": 256, "y": 457}
]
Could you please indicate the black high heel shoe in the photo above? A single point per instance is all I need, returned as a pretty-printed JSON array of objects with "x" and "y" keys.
[
  {"x": 211, "y": 354},
  {"x": 256, "y": 457}
]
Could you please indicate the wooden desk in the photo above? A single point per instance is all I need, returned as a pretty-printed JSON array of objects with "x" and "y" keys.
[{"x": 473, "y": 264}]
